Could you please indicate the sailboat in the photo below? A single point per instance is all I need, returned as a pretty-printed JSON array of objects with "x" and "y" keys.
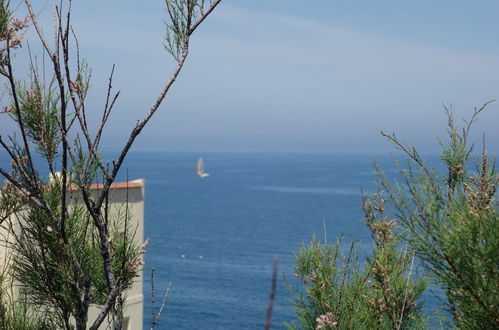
[{"x": 199, "y": 169}]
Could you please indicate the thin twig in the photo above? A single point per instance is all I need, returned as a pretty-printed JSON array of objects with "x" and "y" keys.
[
  {"x": 268, "y": 319},
  {"x": 163, "y": 303},
  {"x": 153, "y": 298},
  {"x": 203, "y": 17},
  {"x": 155, "y": 317},
  {"x": 399, "y": 325}
]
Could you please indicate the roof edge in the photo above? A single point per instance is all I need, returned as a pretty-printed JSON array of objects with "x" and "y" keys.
[{"x": 139, "y": 183}]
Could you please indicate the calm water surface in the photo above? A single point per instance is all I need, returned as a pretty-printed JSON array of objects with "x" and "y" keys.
[{"x": 215, "y": 238}]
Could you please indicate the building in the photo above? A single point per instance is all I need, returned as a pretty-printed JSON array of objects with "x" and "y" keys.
[{"x": 121, "y": 195}]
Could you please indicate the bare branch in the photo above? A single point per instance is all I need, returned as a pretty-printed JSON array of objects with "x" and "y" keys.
[
  {"x": 138, "y": 128},
  {"x": 473, "y": 119},
  {"x": 203, "y": 17},
  {"x": 71, "y": 96},
  {"x": 12, "y": 84},
  {"x": 105, "y": 309},
  {"x": 268, "y": 320},
  {"x": 155, "y": 317},
  {"x": 38, "y": 29},
  {"x": 415, "y": 157}
]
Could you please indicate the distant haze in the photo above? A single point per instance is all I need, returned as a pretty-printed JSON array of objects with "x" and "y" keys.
[{"x": 294, "y": 76}]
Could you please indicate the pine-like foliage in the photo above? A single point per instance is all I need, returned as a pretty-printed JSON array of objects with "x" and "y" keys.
[
  {"x": 451, "y": 222},
  {"x": 54, "y": 273},
  {"x": 448, "y": 221},
  {"x": 70, "y": 250},
  {"x": 340, "y": 294}
]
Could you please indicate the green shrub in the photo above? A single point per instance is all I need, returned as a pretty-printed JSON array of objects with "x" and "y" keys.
[
  {"x": 451, "y": 222},
  {"x": 448, "y": 222},
  {"x": 340, "y": 294}
]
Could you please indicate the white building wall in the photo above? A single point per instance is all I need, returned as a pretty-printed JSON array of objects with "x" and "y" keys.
[{"x": 132, "y": 191}]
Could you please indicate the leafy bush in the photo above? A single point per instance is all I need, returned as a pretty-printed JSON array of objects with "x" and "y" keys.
[
  {"x": 340, "y": 294},
  {"x": 449, "y": 222}
]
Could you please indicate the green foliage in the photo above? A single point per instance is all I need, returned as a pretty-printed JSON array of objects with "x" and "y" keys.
[
  {"x": 55, "y": 271},
  {"x": 184, "y": 15},
  {"x": 10, "y": 201},
  {"x": 331, "y": 285},
  {"x": 451, "y": 222},
  {"x": 394, "y": 290},
  {"x": 69, "y": 251},
  {"x": 5, "y": 15},
  {"x": 339, "y": 294},
  {"x": 38, "y": 112},
  {"x": 16, "y": 314},
  {"x": 84, "y": 168}
]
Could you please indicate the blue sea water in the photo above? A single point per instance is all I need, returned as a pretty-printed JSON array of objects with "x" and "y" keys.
[{"x": 216, "y": 238}]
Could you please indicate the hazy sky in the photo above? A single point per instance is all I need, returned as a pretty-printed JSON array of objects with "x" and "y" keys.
[{"x": 289, "y": 75}]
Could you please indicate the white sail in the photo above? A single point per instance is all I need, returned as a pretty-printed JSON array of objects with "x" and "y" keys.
[{"x": 200, "y": 169}]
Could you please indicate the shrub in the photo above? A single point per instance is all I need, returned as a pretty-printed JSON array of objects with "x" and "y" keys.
[
  {"x": 451, "y": 222},
  {"x": 448, "y": 222}
]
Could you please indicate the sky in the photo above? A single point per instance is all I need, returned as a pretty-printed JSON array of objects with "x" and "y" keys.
[{"x": 294, "y": 76}]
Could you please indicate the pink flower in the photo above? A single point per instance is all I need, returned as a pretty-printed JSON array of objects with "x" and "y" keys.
[
  {"x": 146, "y": 242},
  {"x": 144, "y": 245},
  {"x": 325, "y": 321},
  {"x": 19, "y": 24}
]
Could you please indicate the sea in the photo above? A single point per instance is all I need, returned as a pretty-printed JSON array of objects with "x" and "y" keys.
[{"x": 215, "y": 238}]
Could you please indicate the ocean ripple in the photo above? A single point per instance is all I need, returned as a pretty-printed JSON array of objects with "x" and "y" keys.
[{"x": 321, "y": 191}]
